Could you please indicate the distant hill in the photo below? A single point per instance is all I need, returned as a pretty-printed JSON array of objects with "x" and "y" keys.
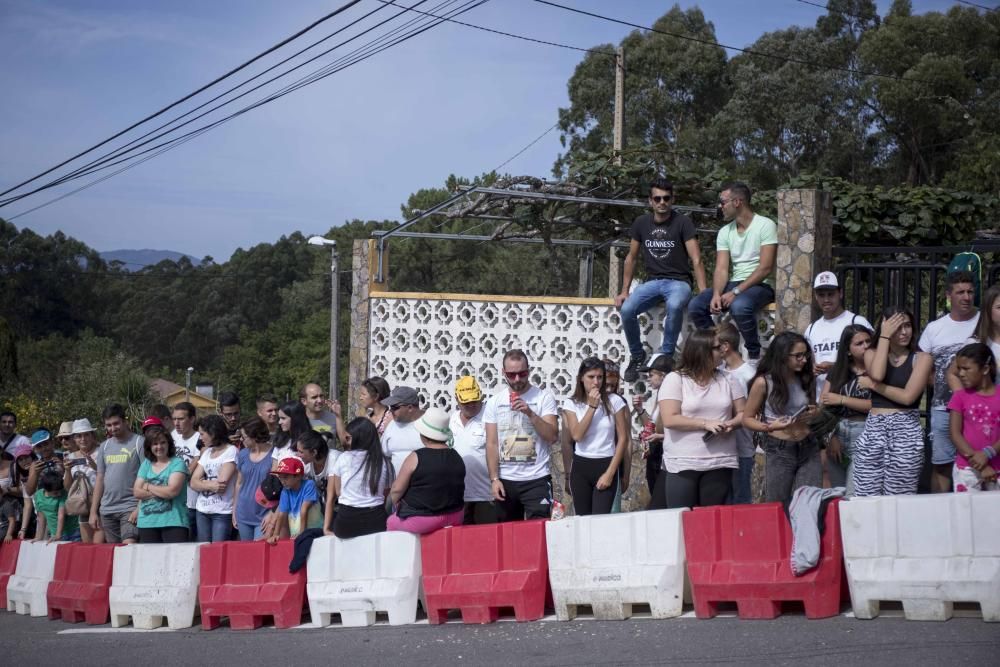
[{"x": 134, "y": 260}]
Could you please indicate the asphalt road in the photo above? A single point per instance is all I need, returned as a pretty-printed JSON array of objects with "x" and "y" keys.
[{"x": 788, "y": 640}]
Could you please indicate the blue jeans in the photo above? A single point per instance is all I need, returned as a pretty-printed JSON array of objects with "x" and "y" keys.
[
  {"x": 842, "y": 474},
  {"x": 741, "y": 481},
  {"x": 192, "y": 524},
  {"x": 942, "y": 448},
  {"x": 214, "y": 527},
  {"x": 743, "y": 310},
  {"x": 674, "y": 293},
  {"x": 248, "y": 531}
]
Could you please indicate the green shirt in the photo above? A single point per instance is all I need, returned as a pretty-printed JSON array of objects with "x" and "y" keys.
[
  {"x": 158, "y": 512},
  {"x": 744, "y": 249},
  {"x": 49, "y": 506}
]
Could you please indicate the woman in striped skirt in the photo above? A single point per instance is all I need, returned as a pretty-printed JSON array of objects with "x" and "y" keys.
[{"x": 890, "y": 452}]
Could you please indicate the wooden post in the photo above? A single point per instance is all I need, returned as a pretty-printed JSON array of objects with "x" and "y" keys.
[{"x": 614, "y": 261}]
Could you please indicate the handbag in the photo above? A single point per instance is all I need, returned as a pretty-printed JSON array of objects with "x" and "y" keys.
[{"x": 79, "y": 497}]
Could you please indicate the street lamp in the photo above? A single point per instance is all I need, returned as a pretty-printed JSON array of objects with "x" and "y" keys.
[
  {"x": 187, "y": 384},
  {"x": 334, "y": 309}
]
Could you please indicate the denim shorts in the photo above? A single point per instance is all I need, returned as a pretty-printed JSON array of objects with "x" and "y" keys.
[{"x": 942, "y": 448}]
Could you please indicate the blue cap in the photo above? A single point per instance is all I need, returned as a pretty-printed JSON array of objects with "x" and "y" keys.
[{"x": 39, "y": 436}]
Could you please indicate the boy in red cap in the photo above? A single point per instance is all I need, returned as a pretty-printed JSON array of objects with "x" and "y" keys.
[{"x": 298, "y": 507}]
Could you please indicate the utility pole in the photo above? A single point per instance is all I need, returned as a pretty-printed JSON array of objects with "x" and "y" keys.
[
  {"x": 334, "y": 311},
  {"x": 614, "y": 262}
]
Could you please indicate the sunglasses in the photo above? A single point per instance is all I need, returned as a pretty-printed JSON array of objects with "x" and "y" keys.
[
  {"x": 397, "y": 407},
  {"x": 661, "y": 198},
  {"x": 517, "y": 375}
]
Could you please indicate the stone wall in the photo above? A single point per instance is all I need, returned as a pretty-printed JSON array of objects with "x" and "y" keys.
[{"x": 805, "y": 241}]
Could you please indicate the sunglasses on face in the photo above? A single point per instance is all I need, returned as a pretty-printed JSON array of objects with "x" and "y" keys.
[
  {"x": 517, "y": 375},
  {"x": 661, "y": 198},
  {"x": 397, "y": 407}
]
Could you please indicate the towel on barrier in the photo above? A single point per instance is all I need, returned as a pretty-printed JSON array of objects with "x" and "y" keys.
[
  {"x": 807, "y": 514},
  {"x": 303, "y": 543}
]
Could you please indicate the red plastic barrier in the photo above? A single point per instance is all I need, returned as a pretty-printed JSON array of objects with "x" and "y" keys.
[
  {"x": 742, "y": 554},
  {"x": 8, "y": 564},
  {"x": 79, "y": 588},
  {"x": 247, "y": 581},
  {"x": 480, "y": 569}
]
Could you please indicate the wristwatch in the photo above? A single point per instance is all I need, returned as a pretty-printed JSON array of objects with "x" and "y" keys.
[{"x": 736, "y": 290}]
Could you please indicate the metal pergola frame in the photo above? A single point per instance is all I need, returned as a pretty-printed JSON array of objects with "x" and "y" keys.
[{"x": 587, "y": 261}]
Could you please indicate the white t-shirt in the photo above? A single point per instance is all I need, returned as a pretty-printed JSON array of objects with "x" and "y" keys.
[
  {"x": 824, "y": 338},
  {"x": 319, "y": 477},
  {"x": 470, "y": 443},
  {"x": 213, "y": 503},
  {"x": 687, "y": 450},
  {"x": 288, "y": 451},
  {"x": 744, "y": 437},
  {"x": 16, "y": 441},
  {"x": 523, "y": 455},
  {"x": 187, "y": 449},
  {"x": 80, "y": 469},
  {"x": 399, "y": 440},
  {"x": 942, "y": 338},
  {"x": 354, "y": 490},
  {"x": 599, "y": 440}
]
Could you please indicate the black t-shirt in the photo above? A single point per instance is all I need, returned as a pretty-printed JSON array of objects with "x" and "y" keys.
[
  {"x": 663, "y": 248},
  {"x": 437, "y": 486}
]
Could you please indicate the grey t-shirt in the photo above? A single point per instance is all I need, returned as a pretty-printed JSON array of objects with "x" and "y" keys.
[{"x": 119, "y": 463}]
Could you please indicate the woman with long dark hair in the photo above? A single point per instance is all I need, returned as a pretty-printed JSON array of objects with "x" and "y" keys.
[
  {"x": 780, "y": 405},
  {"x": 292, "y": 423},
  {"x": 699, "y": 407},
  {"x": 843, "y": 394},
  {"x": 598, "y": 422},
  {"x": 889, "y": 454},
  {"x": 360, "y": 479}
]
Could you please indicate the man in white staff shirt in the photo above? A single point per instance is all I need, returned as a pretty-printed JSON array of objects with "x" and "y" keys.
[
  {"x": 469, "y": 433},
  {"x": 824, "y": 334},
  {"x": 401, "y": 436},
  {"x": 521, "y": 424}
]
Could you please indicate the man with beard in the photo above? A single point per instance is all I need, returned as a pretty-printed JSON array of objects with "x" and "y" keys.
[
  {"x": 520, "y": 425},
  {"x": 743, "y": 282}
]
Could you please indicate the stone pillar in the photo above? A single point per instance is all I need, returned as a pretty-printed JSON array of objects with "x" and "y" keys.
[
  {"x": 805, "y": 241},
  {"x": 364, "y": 265}
]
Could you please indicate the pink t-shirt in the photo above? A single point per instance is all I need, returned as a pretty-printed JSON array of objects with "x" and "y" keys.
[
  {"x": 687, "y": 450},
  {"x": 980, "y": 422}
]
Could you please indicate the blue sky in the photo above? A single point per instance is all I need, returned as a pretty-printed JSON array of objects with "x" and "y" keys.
[{"x": 355, "y": 145}]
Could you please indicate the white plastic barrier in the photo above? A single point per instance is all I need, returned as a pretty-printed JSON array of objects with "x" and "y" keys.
[
  {"x": 359, "y": 577},
  {"x": 153, "y": 582},
  {"x": 614, "y": 561},
  {"x": 926, "y": 551},
  {"x": 26, "y": 588}
]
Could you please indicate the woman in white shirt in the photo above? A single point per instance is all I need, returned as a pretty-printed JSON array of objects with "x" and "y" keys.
[
  {"x": 599, "y": 424},
  {"x": 359, "y": 481},
  {"x": 214, "y": 479},
  {"x": 699, "y": 406}
]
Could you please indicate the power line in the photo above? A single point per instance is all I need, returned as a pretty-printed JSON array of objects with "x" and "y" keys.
[
  {"x": 121, "y": 150},
  {"x": 751, "y": 52},
  {"x": 231, "y": 72},
  {"x": 978, "y": 6},
  {"x": 505, "y": 34},
  {"x": 312, "y": 78},
  {"x": 115, "y": 157},
  {"x": 530, "y": 144}
]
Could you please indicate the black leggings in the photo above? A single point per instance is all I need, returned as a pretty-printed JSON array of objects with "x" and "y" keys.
[
  {"x": 165, "y": 535},
  {"x": 697, "y": 488},
  {"x": 357, "y": 521},
  {"x": 587, "y": 498}
]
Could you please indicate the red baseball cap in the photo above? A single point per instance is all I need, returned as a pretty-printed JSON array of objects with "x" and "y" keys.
[
  {"x": 151, "y": 421},
  {"x": 289, "y": 466}
]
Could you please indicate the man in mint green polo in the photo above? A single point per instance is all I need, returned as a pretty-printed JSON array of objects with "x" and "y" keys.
[{"x": 743, "y": 282}]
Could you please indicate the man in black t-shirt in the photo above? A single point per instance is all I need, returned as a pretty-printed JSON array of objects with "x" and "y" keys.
[{"x": 670, "y": 252}]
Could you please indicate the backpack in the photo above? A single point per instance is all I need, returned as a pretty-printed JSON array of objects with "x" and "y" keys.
[
  {"x": 80, "y": 495},
  {"x": 973, "y": 263}
]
